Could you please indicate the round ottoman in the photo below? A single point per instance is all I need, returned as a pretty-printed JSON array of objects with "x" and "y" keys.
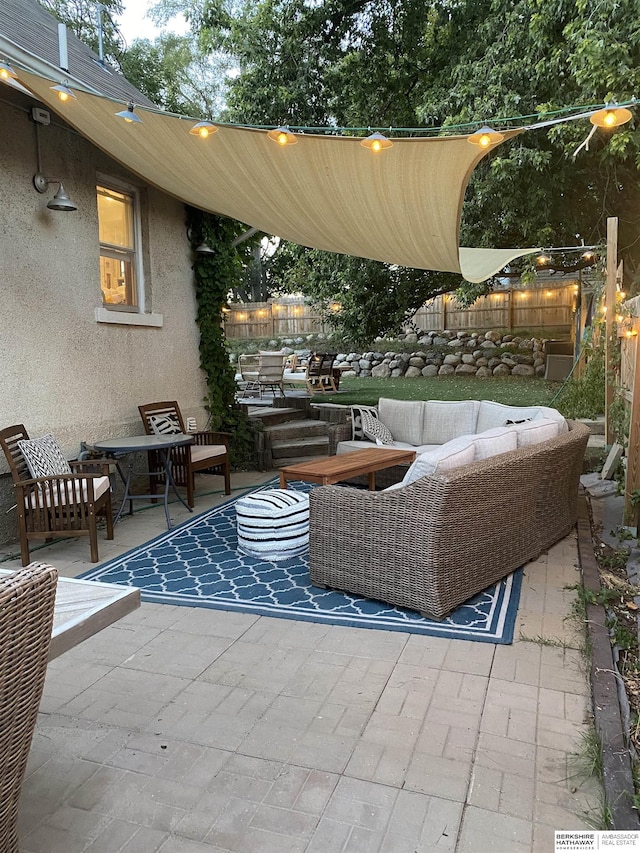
[{"x": 274, "y": 524}]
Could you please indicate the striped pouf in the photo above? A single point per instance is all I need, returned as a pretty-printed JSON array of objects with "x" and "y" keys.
[{"x": 274, "y": 524}]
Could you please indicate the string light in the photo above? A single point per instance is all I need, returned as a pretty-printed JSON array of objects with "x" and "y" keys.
[
  {"x": 376, "y": 142},
  {"x": 7, "y": 72},
  {"x": 63, "y": 92},
  {"x": 611, "y": 116},
  {"x": 128, "y": 115},
  {"x": 485, "y": 137},
  {"x": 282, "y": 135},
  {"x": 203, "y": 129}
]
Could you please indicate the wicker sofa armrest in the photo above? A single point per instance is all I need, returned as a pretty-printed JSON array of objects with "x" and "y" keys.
[{"x": 337, "y": 433}]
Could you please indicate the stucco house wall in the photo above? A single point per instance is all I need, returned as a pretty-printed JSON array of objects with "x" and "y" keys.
[{"x": 63, "y": 370}]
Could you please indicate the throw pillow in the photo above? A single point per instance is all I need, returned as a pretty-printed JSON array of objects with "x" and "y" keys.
[
  {"x": 535, "y": 431},
  {"x": 165, "y": 424},
  {"x": 374, "y": 429},
  {"x": 44, "y": 457}
]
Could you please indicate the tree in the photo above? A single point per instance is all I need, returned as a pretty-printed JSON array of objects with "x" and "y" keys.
[{"x": 411, "y": 63}]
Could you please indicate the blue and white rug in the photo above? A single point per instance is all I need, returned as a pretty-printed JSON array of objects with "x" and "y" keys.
[{"x": 196, "y": 564}]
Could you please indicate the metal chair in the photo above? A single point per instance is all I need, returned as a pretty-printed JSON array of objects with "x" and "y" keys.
[
  {"x": 61, "y": 505},
  {"x": 209, "y": 454},
  {"x": 27, "y": 600}
]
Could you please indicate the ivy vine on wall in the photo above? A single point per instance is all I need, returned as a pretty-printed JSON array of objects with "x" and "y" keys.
[{"x": 215, "y": 276}]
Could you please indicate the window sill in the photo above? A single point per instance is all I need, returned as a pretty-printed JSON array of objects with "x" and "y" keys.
[{"x": 126, "y": 318}]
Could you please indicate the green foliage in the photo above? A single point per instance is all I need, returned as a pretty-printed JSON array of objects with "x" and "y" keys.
[
  {"x": 584, "y": 397},
  {"x": 214, "y": 275}
]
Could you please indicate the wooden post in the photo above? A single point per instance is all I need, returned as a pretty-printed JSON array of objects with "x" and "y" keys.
[
  {"x": 510, "y": 308},
  {"x": 610, "y": 303},
  {"x": 633, "y": 448},
  {"x": 443, "y": 310}
]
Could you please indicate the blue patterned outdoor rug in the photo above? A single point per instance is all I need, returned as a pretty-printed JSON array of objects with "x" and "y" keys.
[{"x": 196, "y": 564}]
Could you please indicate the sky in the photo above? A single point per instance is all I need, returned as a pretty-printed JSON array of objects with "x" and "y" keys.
[{"x": 134, "y": 24}]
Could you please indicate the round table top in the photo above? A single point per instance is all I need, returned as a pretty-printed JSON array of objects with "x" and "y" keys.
[{"x": 142, "y": 442}]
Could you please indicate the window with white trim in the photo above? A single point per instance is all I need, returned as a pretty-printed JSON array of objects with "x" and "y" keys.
[{"x": 119, "y": 230}]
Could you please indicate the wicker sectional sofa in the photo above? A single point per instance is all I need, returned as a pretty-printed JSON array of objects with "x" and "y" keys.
[{"x": 436, "y": 542}]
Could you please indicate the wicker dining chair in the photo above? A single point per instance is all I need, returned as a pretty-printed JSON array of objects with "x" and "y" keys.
[
  {"x": 27, "y": 599},
  {"x": 209, "y": 453},
  {"x": 57, "y": 506}
]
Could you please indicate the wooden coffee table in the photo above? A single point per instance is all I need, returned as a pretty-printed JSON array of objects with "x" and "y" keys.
[{"x": 332, "y": 469}]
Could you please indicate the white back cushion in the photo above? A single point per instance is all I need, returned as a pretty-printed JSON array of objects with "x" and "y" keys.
[
  {"x": 535, "y": 431},
  {"x": 495, "y": 441},
  {"x": 403, "y": 419},
  {"x": 493, "y": 415},
  {"x": 451, "y": 455},
  {"x": 444, "y": 420}
]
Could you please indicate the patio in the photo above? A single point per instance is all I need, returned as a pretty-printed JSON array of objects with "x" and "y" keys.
[{"x": 187, "y": 729}]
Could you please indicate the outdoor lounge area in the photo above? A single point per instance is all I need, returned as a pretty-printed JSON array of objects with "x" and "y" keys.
[{"x": 194, "y": 729}]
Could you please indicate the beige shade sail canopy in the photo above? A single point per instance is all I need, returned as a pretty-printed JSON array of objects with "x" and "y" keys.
[{"x": 401, "y": 205}]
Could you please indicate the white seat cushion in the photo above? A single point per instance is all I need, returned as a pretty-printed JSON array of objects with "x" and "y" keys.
[
  {"x": 206, "y": 451},
  {"x": 493, "y": 415},
  {"x": 492, "y": 442},
  {"x": 444, "y": 420},
  {"x": 453, "y": 454},
  {"x": 403, "y": 419},
  {"x": 535, "y": 431},
  {"x": 76, "y": 486},
  {"x": 348, "y": 446}
]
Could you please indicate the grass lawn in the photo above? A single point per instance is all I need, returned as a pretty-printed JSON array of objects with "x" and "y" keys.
[{"x": 513, "y": 390}]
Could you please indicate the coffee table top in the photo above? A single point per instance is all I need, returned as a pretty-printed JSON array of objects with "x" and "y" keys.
[{"x": 345, "y": 465}]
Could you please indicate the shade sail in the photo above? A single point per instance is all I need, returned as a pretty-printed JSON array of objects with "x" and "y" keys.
[{"x": 401, "y": 206}]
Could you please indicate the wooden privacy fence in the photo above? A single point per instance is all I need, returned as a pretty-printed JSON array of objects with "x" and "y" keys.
[{"x": 512, "y": 309}]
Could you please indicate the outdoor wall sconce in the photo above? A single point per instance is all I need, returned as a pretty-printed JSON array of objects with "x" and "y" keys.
[
  {"x": 485, "y": 137},
  {"x": 128, "y": 115},
  {"x": 282, "y": 135},
  {"x": 61, "y": 200},
  {"x": 63, "y": 92},
  {"x": 204, "y": 249},
  {"x": 376, "y": 142},
  {"x": 7, "y": 72},
  {"x": 611, "y": 116},
  {"x": 203, "y": 129}
]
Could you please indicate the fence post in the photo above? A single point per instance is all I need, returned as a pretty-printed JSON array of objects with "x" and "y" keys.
[{"x": 610, "y": 304}]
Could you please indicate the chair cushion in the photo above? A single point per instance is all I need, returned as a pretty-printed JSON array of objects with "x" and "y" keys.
[
  {"x": 165, "y": 424},
  {"x": 79, "y": 485},
  {"x": 374, "y": 429},
  {"x": 457, "y": 452},
  {"x": 403, "y": 418},
  {"x": 444, "y": 420},
  {"x": 535, "y": 431},
  {"x": 206, "y": 451},
  {"x": 493, "y": 415},
  {"x": 44, "y": 457},
  {"x": 495, "y": 441}
]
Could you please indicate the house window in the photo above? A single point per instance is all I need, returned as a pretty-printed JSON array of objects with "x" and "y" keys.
[{"x": 118, "y": 226}]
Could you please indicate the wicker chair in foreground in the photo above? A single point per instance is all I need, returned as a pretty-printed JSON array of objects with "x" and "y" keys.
[
  {"x": 58, "y": 505},
  {"x": 27, "y": 600},
  {"x": 209, "y": 454}
]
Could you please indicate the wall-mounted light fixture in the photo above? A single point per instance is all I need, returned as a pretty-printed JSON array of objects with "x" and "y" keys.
[
  {"x": 204, "y": 249},
  {"x": 203, "y": 129},
  {"x": 129, "y": 115},
  {"x": 282, "y": 135},
  {"x": 61, "y": 200},
  {"x": 376, "y": 142},
  {"x": 485, "y": 137},
  {"x": 63, "y": 92}
]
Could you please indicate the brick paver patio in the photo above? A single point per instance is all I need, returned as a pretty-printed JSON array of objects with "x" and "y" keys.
[{"x": 186, "y": 730}]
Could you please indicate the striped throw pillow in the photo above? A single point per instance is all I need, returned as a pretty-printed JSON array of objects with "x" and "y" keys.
[{"x": 165, "y": 424}]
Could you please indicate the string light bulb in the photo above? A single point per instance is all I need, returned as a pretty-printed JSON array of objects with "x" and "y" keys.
[
  {"x": 7, "y": 72},
  {"x": 611, "y": 116},
  {"x": 282, "y": 135},
  {"x": 203, "y": 129},
  {"x": 129, "y": 115},
  {"x": 63, "y": 92},
  {"x": 543, "y": 260},
  {"x": 377, "y": 142},
  {"x": 485, "y": 137}
]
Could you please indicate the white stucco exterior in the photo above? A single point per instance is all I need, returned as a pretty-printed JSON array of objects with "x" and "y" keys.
[{"x": 63, "y": 371}]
